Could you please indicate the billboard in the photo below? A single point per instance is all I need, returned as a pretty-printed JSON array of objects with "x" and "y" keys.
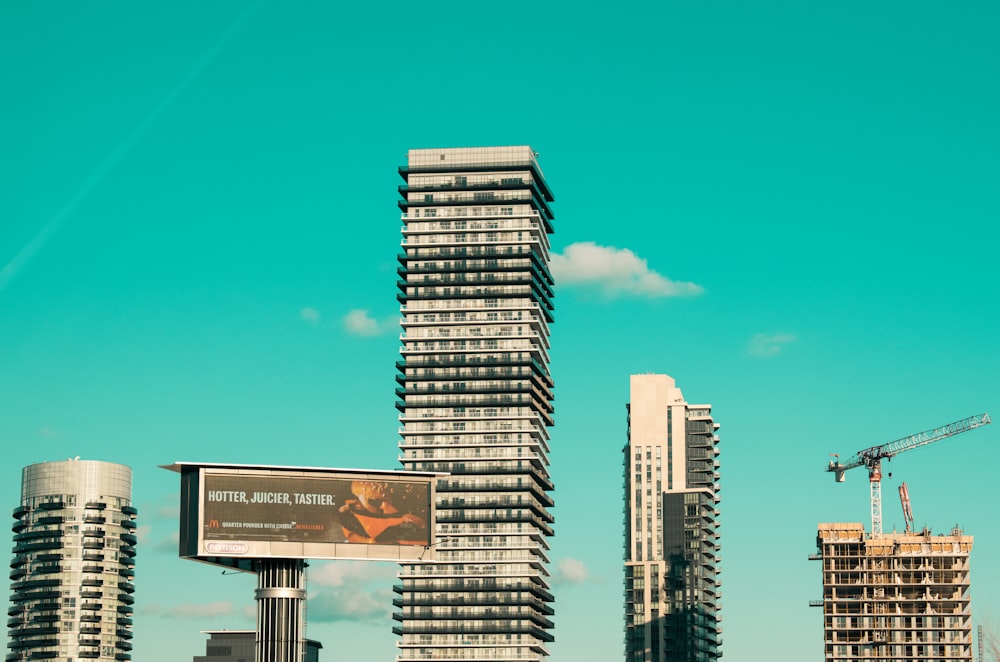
[{"x": 232, "y": 514}]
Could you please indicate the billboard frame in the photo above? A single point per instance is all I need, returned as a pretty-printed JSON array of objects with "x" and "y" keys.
[{"x": 282, "y": 534}]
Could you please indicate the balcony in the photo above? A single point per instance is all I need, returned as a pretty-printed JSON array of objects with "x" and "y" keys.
[{"x": 480, "y": 627}]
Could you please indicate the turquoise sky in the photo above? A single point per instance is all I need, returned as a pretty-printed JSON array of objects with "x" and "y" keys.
[{"x": 791, "y": 208}]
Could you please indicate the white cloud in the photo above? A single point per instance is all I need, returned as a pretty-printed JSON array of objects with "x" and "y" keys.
[
  {"x": 615, "y": 271},
  {"x": 570, "y": 571},
  {"x": 351, "y": 604},
  {"x": 191, "y": 610},
  {"x": 167, "y": 509},
  {"x": 769, "y": 344},
  {"x": 346, "y": 573},
  {"x": 351, "y": 591},
  {"x": 168, "y": 544},
  {"x": 310, "y": 315},
  {"x": 359, "y": 322},
  {"x": 142, "y": 533}
]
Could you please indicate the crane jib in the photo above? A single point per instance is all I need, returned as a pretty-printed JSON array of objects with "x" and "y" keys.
[{"x": 872, "y": 458}]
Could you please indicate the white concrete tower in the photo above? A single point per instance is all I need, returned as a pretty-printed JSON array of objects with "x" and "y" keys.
[
  {"x": 74, "y": 558},
  {"x": 475, "y": 400}
]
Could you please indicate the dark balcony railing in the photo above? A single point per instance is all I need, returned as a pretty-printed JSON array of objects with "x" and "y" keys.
[{"x": 481, "y": 627}]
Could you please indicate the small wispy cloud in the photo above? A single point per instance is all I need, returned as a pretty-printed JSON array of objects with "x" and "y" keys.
[
  {"x": 143, "y": 533},
  {"x": 166, "y": 508},
  {"x": 48, "y": 432},
  {"x": 192, "y": 610},
  {"x": 169, "y": 543},
  {"x": 359, "y": 322},
  {"x": 310, "y": 315},
  {"x": 351, "y": 591},
  {"x": 570, "y": 572},
  {"x": 764, "y": 345},
  {"x": 351, "y": 604},
  {"x": 615, "y": 272},
  {"x": 347, "y": 573}
]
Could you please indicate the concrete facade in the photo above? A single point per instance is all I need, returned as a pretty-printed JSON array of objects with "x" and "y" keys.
[
  {"x": 894, "y": 597},
  {"x": 475, "y": 401},
  {"x": 671, "y": 468},
  {"x": 73, "y": 563}
]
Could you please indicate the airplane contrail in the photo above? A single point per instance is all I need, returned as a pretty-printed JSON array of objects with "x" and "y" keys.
[{"x": 14, "y": 267}]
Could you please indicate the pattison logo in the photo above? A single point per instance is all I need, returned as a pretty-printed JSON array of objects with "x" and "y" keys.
[{"x": 213, "y": 523}]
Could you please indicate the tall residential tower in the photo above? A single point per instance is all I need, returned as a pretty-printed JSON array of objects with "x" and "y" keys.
[
  {"x": 74, "y": 554},
  {"x": 475, "y": 400},
  {"x": 671, "y": 529}
]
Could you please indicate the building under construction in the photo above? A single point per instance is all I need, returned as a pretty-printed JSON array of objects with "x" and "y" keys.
[{"x": 897, "y": 596}]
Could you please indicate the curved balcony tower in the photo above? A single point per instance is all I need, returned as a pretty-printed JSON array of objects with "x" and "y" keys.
[{"x": 73, "y": 563}]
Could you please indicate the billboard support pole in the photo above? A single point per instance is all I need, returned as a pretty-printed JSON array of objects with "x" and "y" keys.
[{"x": 281, "y": 598}]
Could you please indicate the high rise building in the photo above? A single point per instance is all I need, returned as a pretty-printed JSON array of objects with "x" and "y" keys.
[
  {"x": 475, "y": 400},
  {"x": 671, "y": 467},
  {"x": 894, "y": 597},
  {"x": 73, "y": 564}
]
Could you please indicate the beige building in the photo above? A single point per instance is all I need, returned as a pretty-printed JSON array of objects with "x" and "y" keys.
[
  {"x": 672, "y": 595},
  {"x": 895, "y": 596}
]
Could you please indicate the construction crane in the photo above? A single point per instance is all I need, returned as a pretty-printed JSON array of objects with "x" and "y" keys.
[{"x": 872, "y": 458}]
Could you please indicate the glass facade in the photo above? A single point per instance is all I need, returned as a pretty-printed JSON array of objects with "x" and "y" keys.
[
  {"x": 671, "y": 475},
  {"x": 475, "y": 401},
  {"x": 73, "y": 563}
]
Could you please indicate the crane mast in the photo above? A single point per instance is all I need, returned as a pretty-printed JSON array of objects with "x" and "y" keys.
[{"x": 872, "y": 458}]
